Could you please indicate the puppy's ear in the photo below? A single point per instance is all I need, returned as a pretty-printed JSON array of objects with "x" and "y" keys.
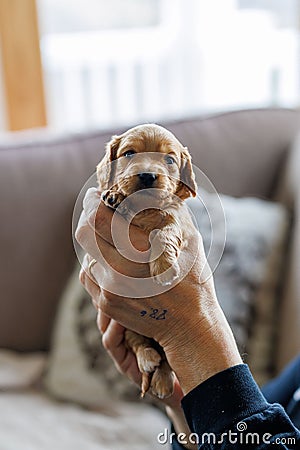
[
  {"x": 187, "y": 186},
  {"x": 106, "y": 167}
]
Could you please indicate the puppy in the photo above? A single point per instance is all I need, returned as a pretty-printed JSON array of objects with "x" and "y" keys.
[{"x": 149, "y": 159}]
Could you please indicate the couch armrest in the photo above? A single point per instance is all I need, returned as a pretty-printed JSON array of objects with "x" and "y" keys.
[{"x": 288, "y": 193}]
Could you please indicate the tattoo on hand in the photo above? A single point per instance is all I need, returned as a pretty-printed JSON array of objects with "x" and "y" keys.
[{"x": 157, "y": 314}]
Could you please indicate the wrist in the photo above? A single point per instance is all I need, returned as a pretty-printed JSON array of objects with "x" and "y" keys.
[{"x": 206, "y": 348}]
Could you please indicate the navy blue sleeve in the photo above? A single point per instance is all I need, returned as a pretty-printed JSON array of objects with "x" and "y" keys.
[
  {"x": 282, "y": 388},
  {"x": 229, "y": 411}
]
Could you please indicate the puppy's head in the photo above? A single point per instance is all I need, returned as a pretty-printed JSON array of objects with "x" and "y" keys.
[{"x": 147, "y": 156}]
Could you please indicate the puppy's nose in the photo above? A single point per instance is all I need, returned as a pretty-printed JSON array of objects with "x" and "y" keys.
[{"x": 147, "y": 178}]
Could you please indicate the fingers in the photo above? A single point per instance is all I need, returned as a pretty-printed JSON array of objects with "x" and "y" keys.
[
  {"x": 89, "y": 239},
  {"x": 98, "y": 218},
  {"x": 102, "y": 320},
  {"x": 98, "y": 215},
  {"x": 113, "y": 338},
  {"x": 97, "y": 247},
  {"x": 113, "y": 341},
  {"x": 112, "y": 331},
  {"x": 87, "y": 280},
  {"x": 125, "y": 361}
]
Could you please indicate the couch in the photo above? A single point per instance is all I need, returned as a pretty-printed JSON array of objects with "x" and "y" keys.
[{"x": 244, "y": 153}]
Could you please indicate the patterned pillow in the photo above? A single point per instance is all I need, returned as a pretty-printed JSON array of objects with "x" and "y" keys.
[
  {"x": 247, "y": 284},
  {"x": 248, "y": 278}
]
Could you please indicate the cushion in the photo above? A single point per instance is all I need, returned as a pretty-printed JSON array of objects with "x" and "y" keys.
[
  {"x": 247, "y": 283},
  {"x": 247, "y": 278},
  {"x": 30, "y": 414},
  {"x": 33, "y": 421}
]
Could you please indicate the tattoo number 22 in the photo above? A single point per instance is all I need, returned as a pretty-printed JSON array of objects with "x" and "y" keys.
[{"x": 157, "y": 314}]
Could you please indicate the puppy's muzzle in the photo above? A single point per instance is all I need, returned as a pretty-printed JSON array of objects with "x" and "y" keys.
[{"x": 147, "y": 179}]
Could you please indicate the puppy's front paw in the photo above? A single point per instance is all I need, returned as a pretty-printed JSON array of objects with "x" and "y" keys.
[
  {"x": 164, "y": 267},
  {"x": 112, "y": 199},
  {"x": 168, "y": 276},
  {"x": 162, "y": 382}
]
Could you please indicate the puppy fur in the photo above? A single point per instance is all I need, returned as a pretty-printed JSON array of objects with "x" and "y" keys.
[{"x": 150, "y": 159}]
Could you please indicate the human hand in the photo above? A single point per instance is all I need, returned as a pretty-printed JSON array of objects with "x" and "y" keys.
[{"x": 193, "y": 331}]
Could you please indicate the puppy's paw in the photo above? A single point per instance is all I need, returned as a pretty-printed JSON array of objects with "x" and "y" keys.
[
  {"x": 168, "y": 276},
  {"x": 148, "y": 359},
  {"x": 162, "y": 382},
  {"x": 112, "y": 199}
]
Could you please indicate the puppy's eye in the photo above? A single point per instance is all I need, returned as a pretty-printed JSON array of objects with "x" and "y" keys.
[
  {"x": 128, "y": 153},
  {"x": 170, "y": 160}
]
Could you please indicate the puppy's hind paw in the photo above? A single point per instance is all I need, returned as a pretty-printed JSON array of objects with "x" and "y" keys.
[
  {"x": 146, "y": 380},
  {"x": 148, "y": 359},
  {"x": 162, "y": 382}
]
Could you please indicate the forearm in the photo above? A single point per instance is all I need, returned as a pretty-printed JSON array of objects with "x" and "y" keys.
[
  {"x": 204, "y": 356},
  {"x": 204, "y": 359}
]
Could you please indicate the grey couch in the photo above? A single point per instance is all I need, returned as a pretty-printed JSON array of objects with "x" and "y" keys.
[{"x": 247, "y": 152}]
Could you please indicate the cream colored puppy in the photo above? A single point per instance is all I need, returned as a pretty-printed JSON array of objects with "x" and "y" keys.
[{"x": 148, "y": 159}]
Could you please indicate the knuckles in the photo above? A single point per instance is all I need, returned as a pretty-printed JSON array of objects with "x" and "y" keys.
[
  {"x": 106, "y": 342},
  {"x": 105, "y": 303},
  {"x": 109, "y": 304}
]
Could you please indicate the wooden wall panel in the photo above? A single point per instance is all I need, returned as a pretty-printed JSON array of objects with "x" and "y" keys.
[{"x": 21, "y": 64}]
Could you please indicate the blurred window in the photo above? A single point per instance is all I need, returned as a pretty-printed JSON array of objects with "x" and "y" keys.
[
  {"x": 73, "y": 16},
  {"x": 114, "y": 62}
]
